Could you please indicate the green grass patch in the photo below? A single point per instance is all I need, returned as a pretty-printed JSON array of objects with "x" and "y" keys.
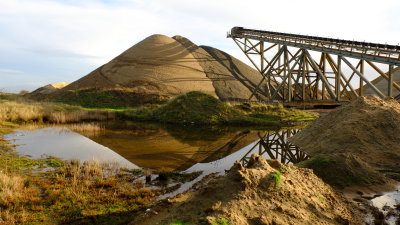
[
  {"x": 194, "y": 107},
  {"x": 315, "y": 162},
  {"x": 277, "y": 178},
  {"x": 200, "y": 108},
  {"x": 107, "y": 98},
  {"x": 221, "y": 221}
]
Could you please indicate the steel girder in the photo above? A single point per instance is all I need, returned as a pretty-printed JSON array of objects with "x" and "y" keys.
[{"x": 299, "y": 70}]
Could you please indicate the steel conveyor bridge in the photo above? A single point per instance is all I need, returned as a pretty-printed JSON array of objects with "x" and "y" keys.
[{"x": 300, "y": 68}]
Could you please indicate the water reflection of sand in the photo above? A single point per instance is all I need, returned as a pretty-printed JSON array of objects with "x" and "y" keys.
[
  {"x": 162, "y": 151},
  {"x": 158, "y": 149}
]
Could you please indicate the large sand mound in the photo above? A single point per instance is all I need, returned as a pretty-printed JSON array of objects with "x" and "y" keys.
[
  {"x": 158, "y": 63},
  {"x": 364, "y": 133},
  {"x": 255, "y": 195},
  {"x": 50, "y": 88},
  {"x": 232, "y": 79},
  {"x": 172, "y": 66},
  {"x": 382, "y": 84}
]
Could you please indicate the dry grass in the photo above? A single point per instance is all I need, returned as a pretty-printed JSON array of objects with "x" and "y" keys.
[
  {"x": 90, "y": 129},
  {"x": 11, "y": 189},
  {"x": 88, "y": 171},
  {"x": 28, "y": 111},
  {"x": 15, "y": 193},
  {"x": 75, "y": 191}
]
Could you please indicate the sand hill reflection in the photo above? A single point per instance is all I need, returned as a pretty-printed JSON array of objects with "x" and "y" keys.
[
  {"x": 172, "y": 148},
  {"x": 275, "y": 145}
]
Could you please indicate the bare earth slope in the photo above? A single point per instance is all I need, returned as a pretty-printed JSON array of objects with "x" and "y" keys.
[
  {"x": 232, "y": 79},
  {"x": 253, "y": 196},
  {"x": 50, "y": 88},
  {"x": 362, "y": 136},
  {"x": 160, "y": 65},
  {"x": 382, "y": 84}
]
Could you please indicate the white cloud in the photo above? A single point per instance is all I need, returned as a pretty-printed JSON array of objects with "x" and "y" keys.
[{"x": 10, "y": 71}]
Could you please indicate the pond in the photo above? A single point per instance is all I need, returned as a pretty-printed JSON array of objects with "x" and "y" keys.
[
  {"x": 169, "y": 148},
  {"x": 158, "y": 147}
]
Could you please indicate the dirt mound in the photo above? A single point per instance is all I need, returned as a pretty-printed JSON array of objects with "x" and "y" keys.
[
  {"x": 172, "y": 66},
  {"x": 266, "y": 192},
  {"x": 158, "y": 63},
  {"x": 50, "y": 88},
  {"x": 232, "y": 79},
  {"x": 382, "y": 84},
  {"x": 343, "y": 170},
  {"x": 366, "y": 129}
]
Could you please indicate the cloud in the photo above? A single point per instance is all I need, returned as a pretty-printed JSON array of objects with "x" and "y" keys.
[
  {"x": 92, "y": 32},
  {"x": 62, "y": 53},
  {"x": 10, "y": 71}
]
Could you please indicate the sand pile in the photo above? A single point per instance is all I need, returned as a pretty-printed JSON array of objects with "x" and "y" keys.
[
  {"x": 172, "y": 66},
  {"x": 382, "y": 84},
  {"x": 357, "y": 140},
  {"x": 158, "y": 63},
  {"x": 257, "y": 195},
  {"x": 50, "y": 88},
  {"x": 232, "y": 79}
]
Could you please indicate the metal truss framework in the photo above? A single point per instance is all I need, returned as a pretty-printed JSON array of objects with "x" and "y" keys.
[
  {"x": 291, "y": 71},
  {"x": 275, "y": 145}
]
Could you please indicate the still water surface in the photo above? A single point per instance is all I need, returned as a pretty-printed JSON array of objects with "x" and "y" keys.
[{"x": 159, "y": 147}]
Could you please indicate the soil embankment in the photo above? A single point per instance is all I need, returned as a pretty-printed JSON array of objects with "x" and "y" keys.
[
  {"x": 357, "y": 144},
  {"x": 266, "y": 192}
]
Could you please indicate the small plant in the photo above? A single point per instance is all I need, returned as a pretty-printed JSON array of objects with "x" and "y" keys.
[
  {"x": 283, "y": 169},
  {"x": 277, "y": 178},
  {"x": 321, "y": 198},
  {"x": 221, "y": 221}
]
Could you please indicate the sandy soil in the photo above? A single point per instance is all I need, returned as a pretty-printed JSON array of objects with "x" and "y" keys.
[
  {"x": 360, "y": 141},
  {"x": 50, "y": 88},
  {"x": 171, "y": 66},
  {"x": 252, "y": 196},
  {"x": 382, "y": 84}
]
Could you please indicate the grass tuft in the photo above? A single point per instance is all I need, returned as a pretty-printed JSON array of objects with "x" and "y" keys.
[{"x": 221, "y": 221}]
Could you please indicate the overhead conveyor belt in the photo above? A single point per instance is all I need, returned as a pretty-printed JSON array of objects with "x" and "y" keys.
[
  {"x": 290, "y": 73},
  {"x": 381, "y": 53}
]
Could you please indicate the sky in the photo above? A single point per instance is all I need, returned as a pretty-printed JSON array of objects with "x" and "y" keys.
[{"x": 51, "y": 41}]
